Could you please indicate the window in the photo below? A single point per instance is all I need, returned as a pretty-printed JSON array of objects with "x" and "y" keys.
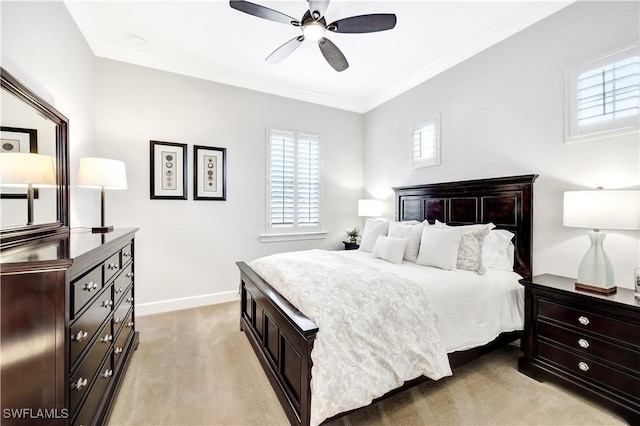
[
  {"x": 603, "y": 96},
  {"x": 293, "y": 183},
  {"x": 425, "y": 143}
]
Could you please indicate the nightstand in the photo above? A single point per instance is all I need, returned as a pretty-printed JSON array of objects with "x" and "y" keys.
[
  {"x": 350, "y": 246},
  {"x": 585, "y": 342}
]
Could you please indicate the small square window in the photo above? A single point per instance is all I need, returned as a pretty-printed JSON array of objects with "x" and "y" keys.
[{"x": 425, "y": 143}]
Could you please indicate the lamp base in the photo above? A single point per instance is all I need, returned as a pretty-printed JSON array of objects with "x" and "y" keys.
[
  {"x": 596, "y": 289},
  {"x": 101, "y": 229}
]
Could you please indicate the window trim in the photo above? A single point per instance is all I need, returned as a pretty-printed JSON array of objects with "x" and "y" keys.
[
  {"x": 295, "y": 233},
  {"x": 573, "y": 133},
  {"x": 420, "y": 162}
]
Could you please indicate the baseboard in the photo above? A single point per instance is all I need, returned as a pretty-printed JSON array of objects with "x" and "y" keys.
[{"x": 169, "y": 305}]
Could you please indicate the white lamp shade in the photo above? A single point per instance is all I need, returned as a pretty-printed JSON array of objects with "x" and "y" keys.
[
  {"x": 102, "y": 173},
  {"x": 602, "y": 209},
  {"x": 22, "y": 169},
  {"x": 369, "y": 208}
]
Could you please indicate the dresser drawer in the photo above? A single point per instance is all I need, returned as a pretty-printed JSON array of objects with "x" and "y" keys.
[
  {"x": 82, "y": 377},
  {"x": 89, "y": 409},
  {"x": 122, "y": 283},
  {"x": 84, "y": 289},
  {"x": 127, "y": 254},
  {"x": 591, "y": 371},
  {"x": 111, "y": 266},
  {"x": 122, "y": 338},
  {"x": 84, "y": 328},
  {"x": 590, "y": 346},
  {"x": 590, "y": 322}
]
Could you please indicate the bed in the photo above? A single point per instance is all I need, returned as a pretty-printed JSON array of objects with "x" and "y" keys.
[{"x": 283, "y": 337}]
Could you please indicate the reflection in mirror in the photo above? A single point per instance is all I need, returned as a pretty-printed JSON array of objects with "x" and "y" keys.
[
  {"x": 24, "y": 130},
  {"x": 30, "y": 124}
]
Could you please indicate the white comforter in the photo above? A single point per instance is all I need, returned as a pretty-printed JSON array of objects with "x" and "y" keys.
[{"x": 376, "y": 330}]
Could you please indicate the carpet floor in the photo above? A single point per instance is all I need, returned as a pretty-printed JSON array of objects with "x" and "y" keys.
[{"x": 195, "y": 367}]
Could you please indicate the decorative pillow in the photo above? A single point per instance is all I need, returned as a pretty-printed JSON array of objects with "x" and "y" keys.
[
  {"x": 439, "y": 247},
  {"x": 390, "y": 248},
  {"x": 498, "y": 250},
  {"x": 470, "y": 250},
  {"x": 412, "y": 231},
  {"x": 372, "y": 230}
]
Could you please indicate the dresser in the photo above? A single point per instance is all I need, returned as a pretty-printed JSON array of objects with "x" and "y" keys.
[
  {"x": 67, "y": 327},
  {"x": 586, "y": 342}
]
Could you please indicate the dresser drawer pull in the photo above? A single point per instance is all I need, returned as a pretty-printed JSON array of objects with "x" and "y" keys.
[
  {"x": 107, "y": 373},
  {"x": 117, "y": 351},
  {"x": 107, "y": 338},
  {"x": 583, "y": 320},
  {"x": 80, "y": 336},
  {"x": 107, "y": 303},
  {"x": 119, "y": 290},
  {"x": 583, "y": 343},
  {"x": 113, "y": 266},
  {"x": 117, "y": 320},
  {"x": 129, "y": 275},
  {"x": 127, "y": 254},
  {"x": 90, "y": 286},
  {"x": 583, "y": 366},
  {"x": 79, "y": 384},
  {"x": 130, "y": 299},
  {"x": 129, "y": 324}
]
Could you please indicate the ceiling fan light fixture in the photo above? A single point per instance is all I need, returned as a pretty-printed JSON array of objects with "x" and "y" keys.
[{"x": 313, "y": 31}]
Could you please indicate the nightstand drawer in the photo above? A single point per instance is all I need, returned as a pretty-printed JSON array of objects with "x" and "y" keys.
[
  {"x": 590, "y": 370},
  {"x": 590, "y": 346},
  {"x": 590, "y": 322}
]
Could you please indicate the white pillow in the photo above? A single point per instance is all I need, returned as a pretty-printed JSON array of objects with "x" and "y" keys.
[
  {"x": 389, "y": 248},
  {"x": 412, "y": 232},
  {"x": 498, "y": 250},
  {"x": 372, "y": 230},
  {"x": 471, "y": 249},
  {"x": 439, "y": 247}
]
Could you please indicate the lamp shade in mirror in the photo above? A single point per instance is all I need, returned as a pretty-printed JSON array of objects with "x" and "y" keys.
[{"x": 22, "y": 169}]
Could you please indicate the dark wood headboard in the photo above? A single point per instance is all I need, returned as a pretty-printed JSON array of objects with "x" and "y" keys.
[{"x": 505, "y": 201}]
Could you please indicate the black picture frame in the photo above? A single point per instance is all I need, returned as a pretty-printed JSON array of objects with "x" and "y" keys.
[
  {"x": 168, "y": 170},
  {"x": 27, "y": 142},
  {"x": 209, "y": 173}
]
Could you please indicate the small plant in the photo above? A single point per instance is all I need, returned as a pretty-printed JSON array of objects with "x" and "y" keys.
[{"x": 353, "y": 235}]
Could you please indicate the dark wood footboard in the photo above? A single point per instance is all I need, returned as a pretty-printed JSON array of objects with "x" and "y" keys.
[{"x": 282, "y": 337}]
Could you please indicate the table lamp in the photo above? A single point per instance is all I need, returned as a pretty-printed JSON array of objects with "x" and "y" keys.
[
  {"x": 369, "y": 208},
  {"x": 600, "y": 209},
  {"x": 28, "y": 170},
  {"x": 102, "y": 173}
]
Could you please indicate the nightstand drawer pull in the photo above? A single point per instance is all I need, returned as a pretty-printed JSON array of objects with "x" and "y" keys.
[
  {"x": 583, "y": 320},
  {"x": 583, "y": 366},
  {"x": 583, "y": 343}
]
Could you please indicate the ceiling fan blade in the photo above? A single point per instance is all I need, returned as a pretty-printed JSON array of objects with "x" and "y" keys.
[
  {"x": 317, "y": 8},
  {"x": 364, "y": 23},
  {"x": 333, "y": 55},
  {"x": 262, "y": 12},
  {"x": 285, "y": 50}
]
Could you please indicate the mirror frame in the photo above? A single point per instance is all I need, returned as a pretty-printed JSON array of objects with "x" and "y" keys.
[{"x": 18, "y": 235}]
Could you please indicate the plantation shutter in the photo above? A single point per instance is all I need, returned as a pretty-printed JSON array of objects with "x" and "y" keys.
[
  {"x": 294, "y": 182},
  {"x": 609, "y": 92},
  {"x": 425, "y": 143}
]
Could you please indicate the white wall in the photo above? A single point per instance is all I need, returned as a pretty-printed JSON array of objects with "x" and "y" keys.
[
  {"x": 502, "y": 114},
  {"x": 43, "y": 48},
  {"x": 186, "y": 248}
]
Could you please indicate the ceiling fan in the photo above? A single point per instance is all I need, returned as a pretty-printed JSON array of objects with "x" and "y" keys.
[{"x": 314, "y": 27}]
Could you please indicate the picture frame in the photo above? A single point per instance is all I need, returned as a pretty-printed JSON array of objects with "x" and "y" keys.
[
  {"x": 168, "y": 171},
  {"x": 210, "y": 173},
  {"x": 18, "y": 139}
]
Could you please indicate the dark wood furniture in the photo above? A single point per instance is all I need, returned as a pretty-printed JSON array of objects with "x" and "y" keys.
[
  {"x": 67, "y": 326},
  {"x": 350, "y": 246},
  {"x": 283, "y": 337},
  {"x": 15, "y": 236},
  {"x": 586, "y": 342}
]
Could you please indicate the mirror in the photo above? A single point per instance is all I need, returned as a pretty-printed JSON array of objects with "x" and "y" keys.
[{"x": 30, "y": 124}]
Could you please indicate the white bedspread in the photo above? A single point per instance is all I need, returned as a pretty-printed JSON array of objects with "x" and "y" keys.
[
  {"x": 471, "y": 309},
  {"x": 376, "y": 330}
]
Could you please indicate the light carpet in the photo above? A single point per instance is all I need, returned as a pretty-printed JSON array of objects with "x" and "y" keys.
[{"x": 195, "y": 367}]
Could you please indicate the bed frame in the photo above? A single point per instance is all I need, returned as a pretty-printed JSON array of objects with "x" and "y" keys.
[{"x": 283, "y": 337}]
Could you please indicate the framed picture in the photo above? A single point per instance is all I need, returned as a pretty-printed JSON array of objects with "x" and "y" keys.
[
  {"x": 16, "y": 139},
  {"x": 210, "y": 173},
  {"x": 168, "y": 177}
]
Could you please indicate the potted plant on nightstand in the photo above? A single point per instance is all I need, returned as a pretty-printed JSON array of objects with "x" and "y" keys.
[{"x": 353, "y": 235}]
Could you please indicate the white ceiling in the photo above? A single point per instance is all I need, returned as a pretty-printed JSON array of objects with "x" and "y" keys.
[{"x": 212, "y": 41}]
